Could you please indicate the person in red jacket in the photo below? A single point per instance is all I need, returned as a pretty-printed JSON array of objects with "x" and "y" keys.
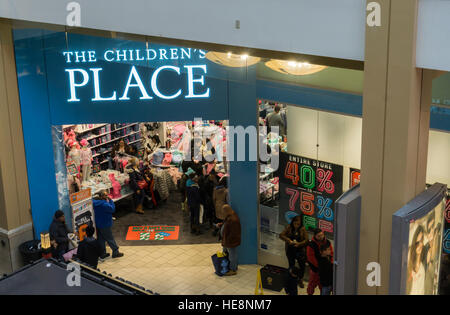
[{"x": 313, "y": 255}]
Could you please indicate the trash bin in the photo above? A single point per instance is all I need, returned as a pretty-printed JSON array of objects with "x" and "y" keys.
[
  {"x": 273, "y": 277},
  {"x": 30, "y": 251}
]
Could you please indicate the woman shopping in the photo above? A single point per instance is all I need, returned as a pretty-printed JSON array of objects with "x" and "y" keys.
[
  {"x": 138, "y": 184},
  {"x": 296, "y": 239}
]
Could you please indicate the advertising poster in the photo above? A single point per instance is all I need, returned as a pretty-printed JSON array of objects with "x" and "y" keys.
[
  {"x": 310, "y": 188},
  {"x": 424, "y": 252},
  {"x": 153, "y": 233},
  {"x": 83, "y": 212},
  {"x": 355, "y": 176},
  {"x": 446, "y": 240}
]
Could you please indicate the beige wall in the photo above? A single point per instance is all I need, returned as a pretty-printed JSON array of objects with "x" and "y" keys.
[
  {"x": 14, "y": 196},
  {"x": 15, "y": 217}
]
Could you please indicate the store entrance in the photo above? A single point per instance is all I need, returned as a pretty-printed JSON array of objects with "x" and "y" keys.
[{"x": 154, "y": 172}]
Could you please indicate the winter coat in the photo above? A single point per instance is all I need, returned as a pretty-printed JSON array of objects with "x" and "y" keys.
[
  {"x": 58, "y": 231},
  {"x": 220, "y": 198},
  {"x": 103, "y": 213},
  {"x": 193, "y": 196},
  {"x": 325, "y": 271},
  {"x": 301, "y": 236},
  {"x": 313, "y": 253},
  {"x": 231, "y": 236},
  {"x": 89, "y": 250},
  {"x": 135, "y": 178}
]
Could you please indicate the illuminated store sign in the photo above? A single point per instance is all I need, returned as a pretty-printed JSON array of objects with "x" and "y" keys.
[{"x": 147, "y": 86}]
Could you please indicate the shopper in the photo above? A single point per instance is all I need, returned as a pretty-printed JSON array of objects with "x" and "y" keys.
[
  {"x": 138, "y": 184},
  {"x": 274, "y": 120},
  {"x": 231, "y": 237},
  {"x": 220, "y": 198},
  {"x": 58, "y": 235},
  {"x": 194, "y": 201},
  {"x": 313, "y": 256},
  {"x": 119, "y": 151},
  {"x": 292, "y": 281},
  {"x": 209, "y": 183},
  {"x": 325, "y": 264},
  {"x": 104, "y": 209},
  {"x": 89, "y": 249},
  {"x": 296, "y": 239}
]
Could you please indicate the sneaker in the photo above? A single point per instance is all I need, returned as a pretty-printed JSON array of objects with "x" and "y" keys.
[
  {"x": 300, "y": 284},
  {"x": 117, "y": 255},
  {"x": 230, "y": 273},
  {"x": 105, "y": 255}
]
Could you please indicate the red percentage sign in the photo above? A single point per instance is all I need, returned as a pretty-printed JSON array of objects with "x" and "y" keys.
[{"x": 324, "y": 179}]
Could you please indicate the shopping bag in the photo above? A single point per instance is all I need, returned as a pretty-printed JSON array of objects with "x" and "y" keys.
[{"x": 221, "y": 264}]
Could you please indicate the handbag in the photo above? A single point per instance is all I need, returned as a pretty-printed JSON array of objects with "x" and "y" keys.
[{"x": 142, "y": 184}]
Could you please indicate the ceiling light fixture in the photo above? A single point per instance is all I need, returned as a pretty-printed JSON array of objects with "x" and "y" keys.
[
  {"x": 232, "y": 60},
  {"x": 293, "y": 67}
]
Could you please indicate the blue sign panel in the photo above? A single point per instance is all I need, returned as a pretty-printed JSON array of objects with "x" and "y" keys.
[{"x": 93, "y": 78}]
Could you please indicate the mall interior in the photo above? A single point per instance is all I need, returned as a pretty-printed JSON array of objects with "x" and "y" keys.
[{"x": 360, "y": 148}]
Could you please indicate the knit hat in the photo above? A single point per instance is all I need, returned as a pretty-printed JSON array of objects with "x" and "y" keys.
[
  {"x": 58, "y": 214},
  {"x": 84, "y": 142}
]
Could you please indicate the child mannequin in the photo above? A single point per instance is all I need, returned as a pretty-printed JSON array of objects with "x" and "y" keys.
[
  {"x": 74, "y": 154},
  {"x": 86, "y": 160}
]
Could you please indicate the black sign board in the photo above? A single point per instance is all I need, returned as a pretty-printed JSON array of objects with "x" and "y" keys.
[{"x": 309, "y": 188}]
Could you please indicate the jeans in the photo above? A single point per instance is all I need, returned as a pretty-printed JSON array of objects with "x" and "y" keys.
[
  {"x": 233, "y": 257},
  {"x": 299, "y": 255},
  {"x": 326, "y": 290},
  {"x": 105, "y": 235}
]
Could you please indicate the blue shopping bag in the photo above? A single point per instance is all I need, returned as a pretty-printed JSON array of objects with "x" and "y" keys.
[{"x": 221, "y": 264}]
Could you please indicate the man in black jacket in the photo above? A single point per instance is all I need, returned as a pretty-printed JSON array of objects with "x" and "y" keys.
[
  {"x": 58, "y": 235},
  {"x": 89, "y": 249}
]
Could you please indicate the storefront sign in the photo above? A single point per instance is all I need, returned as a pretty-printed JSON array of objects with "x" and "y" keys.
[
  {"x": 152, "y": 233},
  {"x": 92, "y": 75},
  {"x": 310, "y": 188},
  {"x": 82, "y": 212}
]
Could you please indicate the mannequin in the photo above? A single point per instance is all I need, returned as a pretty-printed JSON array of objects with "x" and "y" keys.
[
  {"x": 74, "y": 154},
  {"x": 86, "y": 160}
]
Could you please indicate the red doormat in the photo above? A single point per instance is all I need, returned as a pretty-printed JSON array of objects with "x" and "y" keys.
[{"x": 152, "y": 233}]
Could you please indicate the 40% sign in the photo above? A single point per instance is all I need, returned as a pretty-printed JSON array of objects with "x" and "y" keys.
[{"x": 308, "y": 177}]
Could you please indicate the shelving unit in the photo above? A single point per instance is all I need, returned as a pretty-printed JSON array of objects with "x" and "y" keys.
[
  {"x": 90, "y": 129},
  {"x": 130, "y": 134}
]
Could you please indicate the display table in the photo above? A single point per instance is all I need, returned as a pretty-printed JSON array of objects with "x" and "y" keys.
[{"x": 49, "y": 277}]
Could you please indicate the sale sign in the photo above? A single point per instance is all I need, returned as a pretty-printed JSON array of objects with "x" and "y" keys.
[
  {"x": 152, "y": 233},
  {"x": 355, "y": 176},
  {"x": 82, "y": 212},
  {"x": 309, "y": 188}
]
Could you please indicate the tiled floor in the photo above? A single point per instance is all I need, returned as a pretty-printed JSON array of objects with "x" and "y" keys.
[{"x": 180, "y": 270}]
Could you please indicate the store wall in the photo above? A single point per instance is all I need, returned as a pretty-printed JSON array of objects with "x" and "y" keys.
[
  {"x": 15, "y": 218},
  {"x": 339, "y": 139},
  {"x": 320, "y": 27},
  {"x": 438, "y": 167},
  {"x": 433, "y": 35}
]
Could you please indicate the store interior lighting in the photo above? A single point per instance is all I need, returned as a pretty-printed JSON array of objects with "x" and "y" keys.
[
  {"x": 294, "y": 67},
  {"x": 232, "y": 60}
]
